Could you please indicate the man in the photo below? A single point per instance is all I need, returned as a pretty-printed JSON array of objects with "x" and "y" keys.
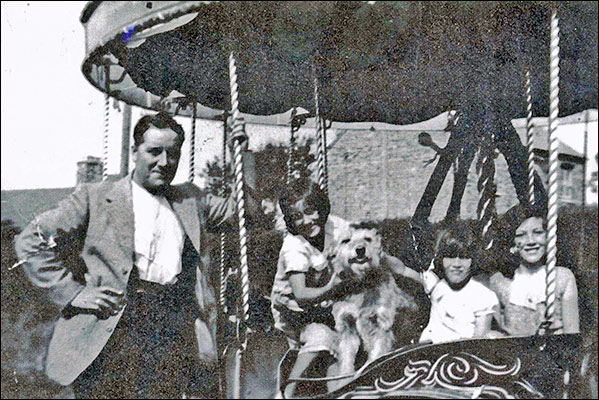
[{"x": 129, "y": 320}]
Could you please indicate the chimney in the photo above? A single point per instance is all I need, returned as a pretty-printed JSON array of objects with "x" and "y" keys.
[{"x": 89, "y": 170}]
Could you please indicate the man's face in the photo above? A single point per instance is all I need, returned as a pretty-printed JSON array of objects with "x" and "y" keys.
[{"x": 156, "y": 158}]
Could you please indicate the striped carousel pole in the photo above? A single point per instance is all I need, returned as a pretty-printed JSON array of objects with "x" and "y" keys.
[
  {"x": 325, "y": 156},
  {"x": 105, "y": 139},
  {"x": 553, "y": 169},
  {"x": 238, "y": 135},
  {"x": 192, "y": 143},
  {"x": 530, "y": 141},
  {"x": 106, "y": 122},
  {"x": 223, "y": 235},
  {"x": 291, "y": 147},
  {"x": 321, "y": 148},
  {"x": 486, "y": 187}
]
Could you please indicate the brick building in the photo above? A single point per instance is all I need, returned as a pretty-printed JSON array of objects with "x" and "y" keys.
[
  {"x": 376, "y": 170},
  {"x": 381, "y": 173}
]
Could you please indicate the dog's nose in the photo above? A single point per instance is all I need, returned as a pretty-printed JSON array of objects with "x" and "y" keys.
[{"x": 361, "y": 251}]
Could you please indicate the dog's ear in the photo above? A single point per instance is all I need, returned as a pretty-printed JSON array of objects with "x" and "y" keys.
[
  {"x": 335, "y": 264},
  {"x": 377, "y": 239}
]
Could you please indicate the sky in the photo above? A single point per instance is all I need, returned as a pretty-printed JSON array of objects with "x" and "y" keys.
[{"x": 52, "y": 117}]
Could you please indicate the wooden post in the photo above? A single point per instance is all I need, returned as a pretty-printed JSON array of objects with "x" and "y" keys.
[{"x": 125, "y": 140}]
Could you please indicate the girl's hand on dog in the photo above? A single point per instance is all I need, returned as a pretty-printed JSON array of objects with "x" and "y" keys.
[
  {"x": 345, "y": 285},
  {"x": 334, "y": 281}
]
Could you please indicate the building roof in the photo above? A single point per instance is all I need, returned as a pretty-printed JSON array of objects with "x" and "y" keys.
[
  {"x": 541, "y": 134},
  {"x": 21, "y": 206},
  {"x": 564, "y": 149},
  {"x": 541, "y": 141}
]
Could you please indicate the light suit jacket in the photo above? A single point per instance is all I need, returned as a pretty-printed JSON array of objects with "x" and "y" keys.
[{"x": 97, "y": 223}]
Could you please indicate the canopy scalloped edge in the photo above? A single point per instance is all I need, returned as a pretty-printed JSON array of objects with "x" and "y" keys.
[{"x": 107, "y": 22}]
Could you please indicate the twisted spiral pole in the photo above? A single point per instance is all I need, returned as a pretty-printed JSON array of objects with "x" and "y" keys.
[
  {"x": 553, "y": 168},
  {"x": 223, "y": 235},
  {"x": 486, "y": 188},
  {"x": 325, "y": 158},
  {"x": 321, "y": 147},
  {"x": 106, "y": 134},
  {"x": 237, "y": 135},
  {"x": 530, "y": 141},
  {"x": 192, "y": 142}
]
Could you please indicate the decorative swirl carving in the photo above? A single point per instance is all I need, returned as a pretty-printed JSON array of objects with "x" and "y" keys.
[{"x": 462, "y": 374}]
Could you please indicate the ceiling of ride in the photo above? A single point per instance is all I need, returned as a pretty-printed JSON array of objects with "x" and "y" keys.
[{"x": 395, "y": 62}]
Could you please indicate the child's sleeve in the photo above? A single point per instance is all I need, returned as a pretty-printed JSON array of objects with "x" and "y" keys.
[
  {"x": 429, "y": 279},
  {"x": 488, "y": 301},
  {"x": 295, "y": 259}
]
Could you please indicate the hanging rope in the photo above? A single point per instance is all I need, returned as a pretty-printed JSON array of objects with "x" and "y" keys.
[
  {"x": 192, "y": 142},
  {"x": 223, "y": 235},
  {"x": 486, "y": 188},
  {"x": 530, "y": 141},
  {"x": 238, "y": 135},
  {"x": 553, "y": 168}
]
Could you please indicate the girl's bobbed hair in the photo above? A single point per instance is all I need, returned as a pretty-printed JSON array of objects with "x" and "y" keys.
[
  {"x": 458, "y": 240},
  {"x": 313, "y": 196},
  {"x": 506, "y": 233}
]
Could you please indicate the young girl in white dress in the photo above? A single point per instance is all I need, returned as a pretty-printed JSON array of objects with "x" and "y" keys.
[
  {"x": 304, "y": 280},
  {"x": 461, "y": 307}
]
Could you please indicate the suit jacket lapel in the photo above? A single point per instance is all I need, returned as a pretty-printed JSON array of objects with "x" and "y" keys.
[
  {"x": 186, "y": 208},
  {"x": 119, "y": 205}
]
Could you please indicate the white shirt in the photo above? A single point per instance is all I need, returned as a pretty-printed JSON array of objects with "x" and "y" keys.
[
  {"x": 159, "y": 237},
  {"x": 453, "y": 312}
]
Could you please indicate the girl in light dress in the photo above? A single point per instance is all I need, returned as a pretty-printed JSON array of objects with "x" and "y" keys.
[
  {"x": 461, "y": 307},
  {"x": 304, "y": 280},
  {"x": 521, "y": 286}
]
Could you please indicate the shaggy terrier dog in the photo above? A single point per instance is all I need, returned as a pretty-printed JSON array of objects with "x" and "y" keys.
[{"x": 367, "y": 314}]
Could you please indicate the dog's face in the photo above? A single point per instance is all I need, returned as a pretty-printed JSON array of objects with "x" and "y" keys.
[{"x": 357, "y": 251}]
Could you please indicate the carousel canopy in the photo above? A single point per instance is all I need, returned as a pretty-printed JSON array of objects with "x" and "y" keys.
[{"x": 393, "y": 62}]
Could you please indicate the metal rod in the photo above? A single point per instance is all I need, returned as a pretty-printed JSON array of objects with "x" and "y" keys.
[
  {"x": 192, "y": 142},
  {"x": 585, "y": 153},
  {"x": 106, "y": 135},
  {"x": 223, "y": 235}
]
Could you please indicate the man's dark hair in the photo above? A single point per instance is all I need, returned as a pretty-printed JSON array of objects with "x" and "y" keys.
[{"x": 161, "y": 120}]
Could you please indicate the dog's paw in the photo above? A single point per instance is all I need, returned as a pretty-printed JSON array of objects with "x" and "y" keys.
[
  {"x": 346, "y": 322},
  {"x": 345, "y": 314}
]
